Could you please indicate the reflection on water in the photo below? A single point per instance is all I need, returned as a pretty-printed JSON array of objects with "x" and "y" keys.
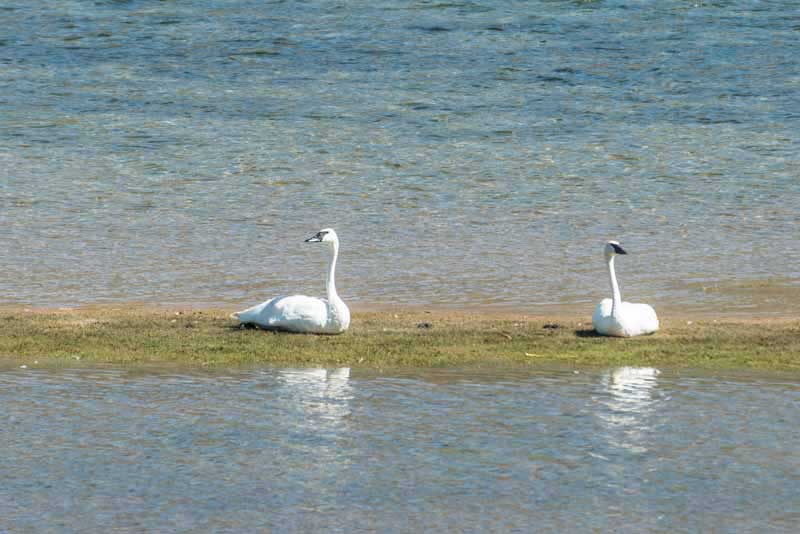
[
  {"x": 323, "y": 394},
  {"x": 316, "y": 450},
  {"x": 629, "y": 405},
  {"x": 319, "y": 401}
]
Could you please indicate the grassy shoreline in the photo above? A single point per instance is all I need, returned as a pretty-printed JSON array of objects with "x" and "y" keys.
[{"x": 385, "y": 339}]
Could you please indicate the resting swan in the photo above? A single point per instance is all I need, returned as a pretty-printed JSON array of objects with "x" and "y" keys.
[
  {"x": 612, "y": 317},
  {"x": 298, "y": 313}
]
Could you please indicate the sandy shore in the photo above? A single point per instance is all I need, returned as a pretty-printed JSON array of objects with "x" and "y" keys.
[{"x": 573, "y": 313}]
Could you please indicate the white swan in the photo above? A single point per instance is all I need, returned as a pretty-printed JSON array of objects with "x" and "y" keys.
[
  {"x": 298, "y": 313},
  {"x": 612, "y": 317}
]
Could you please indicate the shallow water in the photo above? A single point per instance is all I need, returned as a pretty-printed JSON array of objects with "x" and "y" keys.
[
  {"x": 468, "y": 152},
  {"x": 290, "y": 450}
]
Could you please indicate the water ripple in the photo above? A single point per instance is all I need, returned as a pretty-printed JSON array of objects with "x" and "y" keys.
[
  {"x": 309, "y": 449},
  {"x": 488, "y": 143}
]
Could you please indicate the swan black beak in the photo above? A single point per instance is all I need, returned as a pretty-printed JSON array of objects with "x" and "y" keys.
[
  {"x": 315, "y": 239},
  {"x": 618, "y": 249}
]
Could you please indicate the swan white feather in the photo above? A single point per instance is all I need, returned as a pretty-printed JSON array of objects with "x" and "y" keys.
[
  {"x": 299, "y": 313},
  {"x": 612, "y": 317}
]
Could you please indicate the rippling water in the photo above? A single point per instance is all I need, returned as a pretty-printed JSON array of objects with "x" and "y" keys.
[
  {"x": 468, "y": 152},
  {"x": 289, "y": 450}
]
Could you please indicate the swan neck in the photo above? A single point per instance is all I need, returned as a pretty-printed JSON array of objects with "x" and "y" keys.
[
  {"x": 616, "y": 297},
  {"x": 330, "y": 283}
]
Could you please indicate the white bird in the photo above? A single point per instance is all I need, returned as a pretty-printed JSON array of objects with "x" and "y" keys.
[
  {"x": 299, "y": 313},
  {"x": 612, "y": 317}
]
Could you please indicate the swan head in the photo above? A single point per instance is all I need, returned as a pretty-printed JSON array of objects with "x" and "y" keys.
[
  {"x": 612, "y": 249},
  {"x": 326, "y": 235}
]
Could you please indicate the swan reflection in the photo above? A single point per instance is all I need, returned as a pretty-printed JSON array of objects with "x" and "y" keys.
[
  {"x": 628, "y": 405},
  {"x": 322, "y": 394}
]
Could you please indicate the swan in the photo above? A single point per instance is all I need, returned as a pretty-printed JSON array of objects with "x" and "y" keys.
[
  {"x": 298, "y": 313},
  {"x": 612, "y": 317}
]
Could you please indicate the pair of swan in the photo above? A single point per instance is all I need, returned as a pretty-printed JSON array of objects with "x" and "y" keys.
[{"x": 298, "y": 313}]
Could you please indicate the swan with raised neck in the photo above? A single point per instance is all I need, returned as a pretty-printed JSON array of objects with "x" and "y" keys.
[
  {"x": 613, "y": 317},
  {"x": 299, "y": 313}
]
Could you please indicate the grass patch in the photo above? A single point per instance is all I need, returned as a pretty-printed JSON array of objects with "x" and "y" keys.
[{"x": 386, "y": 340}]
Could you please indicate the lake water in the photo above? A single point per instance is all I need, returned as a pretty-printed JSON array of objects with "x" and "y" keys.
[
  {"x": 315, "y": 450},
  {"x": 468, "y": 152}
]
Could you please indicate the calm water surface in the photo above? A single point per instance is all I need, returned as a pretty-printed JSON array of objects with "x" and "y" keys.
[
  {"x": 315, "y": 450},
  {"x": 468, "y": 152}
]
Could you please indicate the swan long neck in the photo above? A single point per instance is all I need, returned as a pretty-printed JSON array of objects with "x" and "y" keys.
[
  {"x": 330, "y": 284},
  {"x": 616, "y": 297}
]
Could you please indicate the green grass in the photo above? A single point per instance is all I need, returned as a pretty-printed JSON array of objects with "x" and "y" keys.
[{"x": 386, "y": 340}]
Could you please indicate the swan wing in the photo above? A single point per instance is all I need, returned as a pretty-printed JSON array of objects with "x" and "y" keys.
[
  {"x": 631, "y": 319},
  {"x": 296, "y": 313},
  {"x": 641, "y": 319}
]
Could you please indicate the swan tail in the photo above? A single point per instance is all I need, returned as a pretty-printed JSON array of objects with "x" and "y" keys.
[{"x": 252, "y": 314}]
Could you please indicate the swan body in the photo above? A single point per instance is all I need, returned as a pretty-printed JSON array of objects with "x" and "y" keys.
[
  {"x": 612, "y": 317},
  {"x": 299, "y": 313}
]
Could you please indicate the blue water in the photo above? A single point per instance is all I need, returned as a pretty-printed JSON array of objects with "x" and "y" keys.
[
  {"x": 469, "y": 153},
  {"x": 315, "y": 450}
]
